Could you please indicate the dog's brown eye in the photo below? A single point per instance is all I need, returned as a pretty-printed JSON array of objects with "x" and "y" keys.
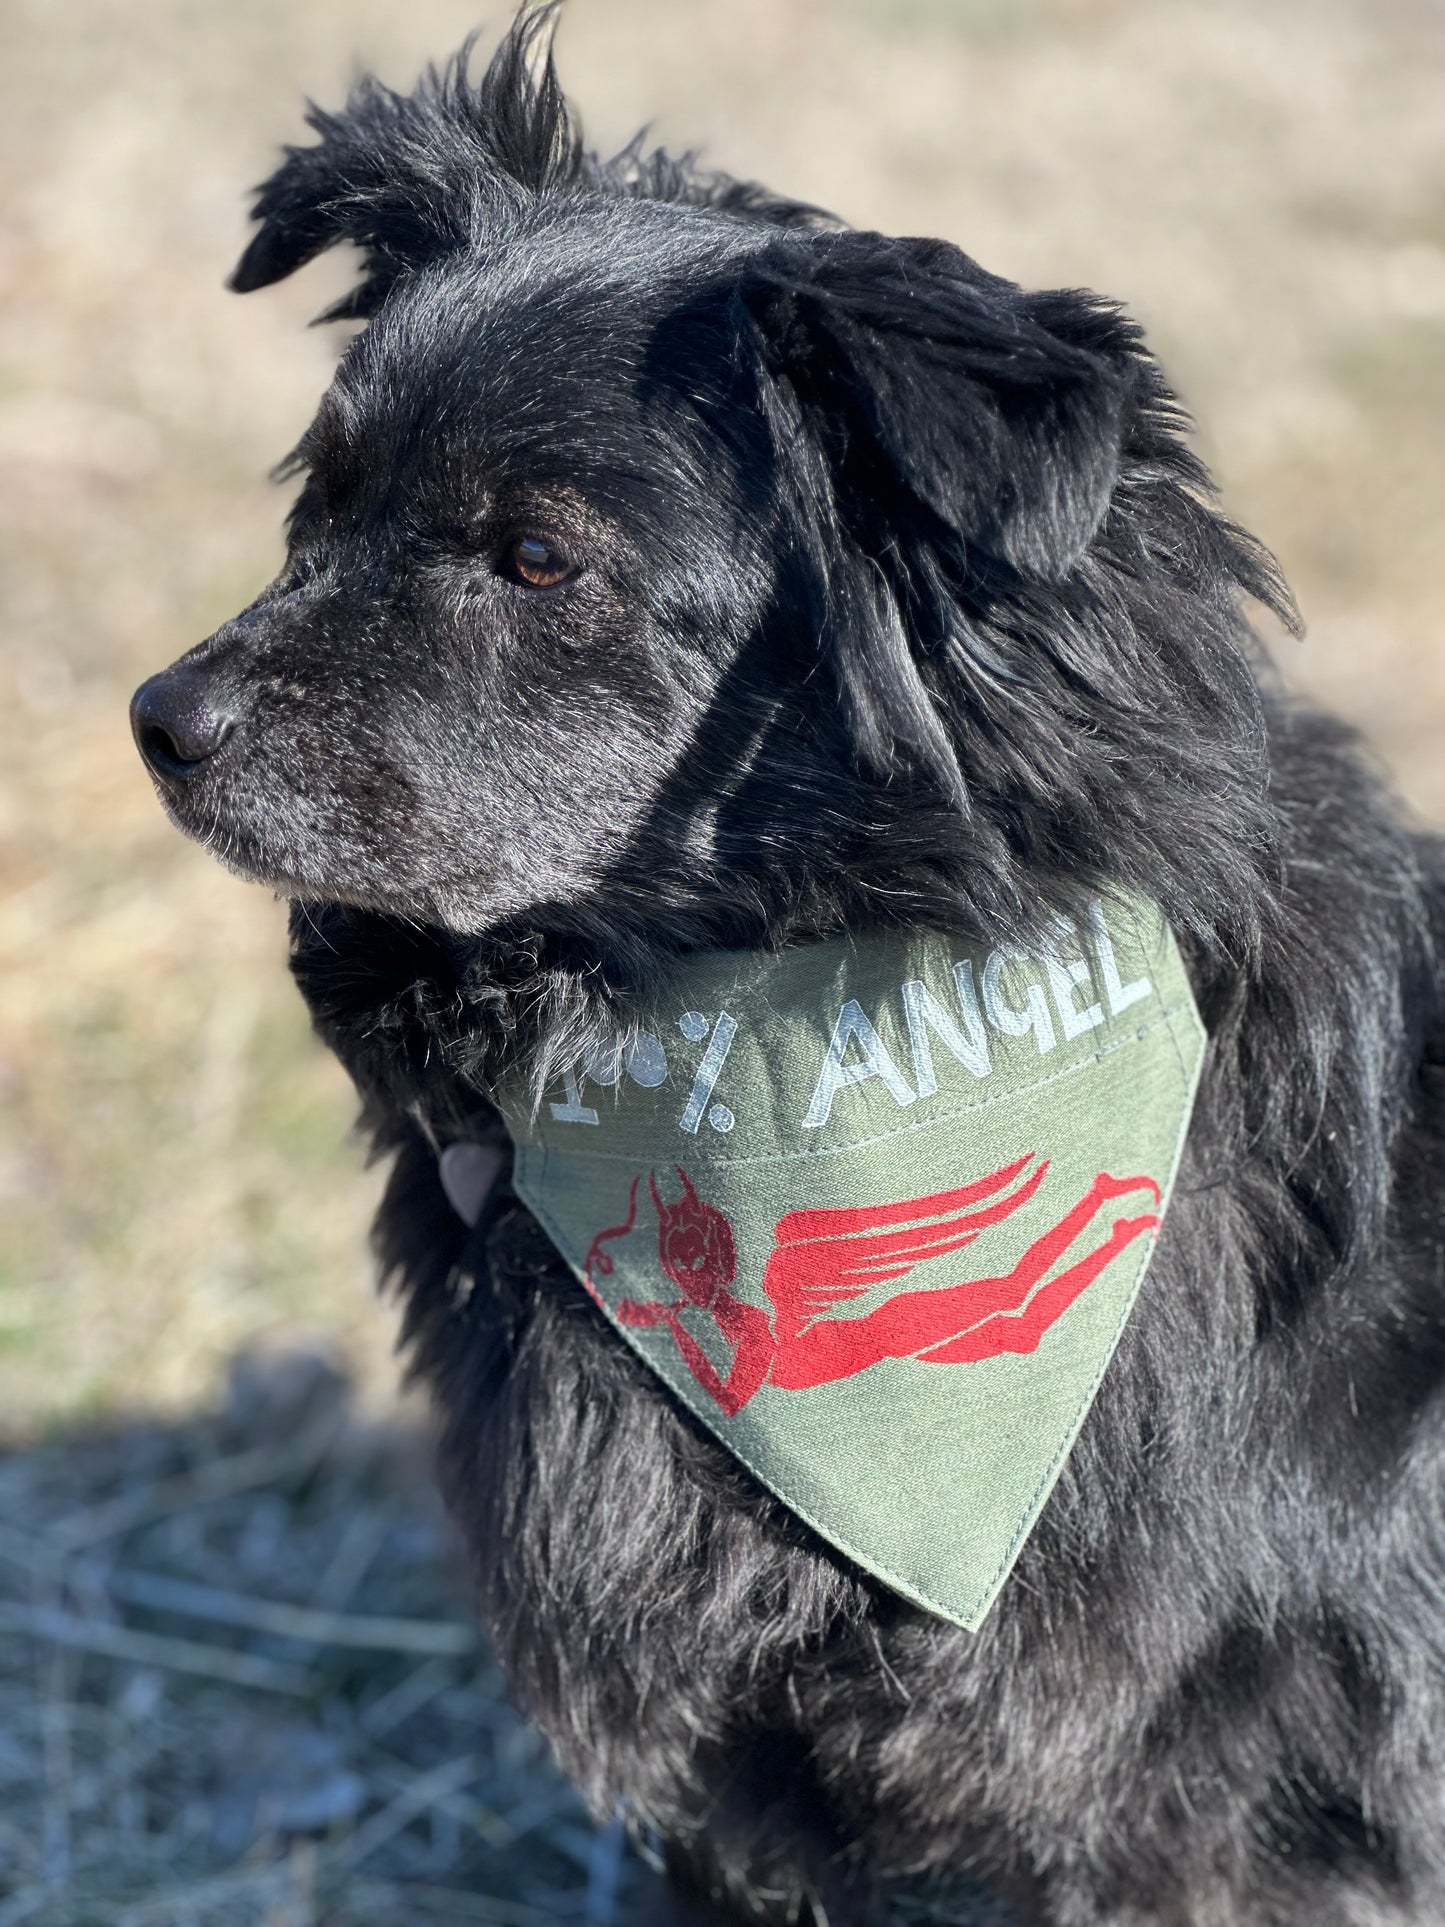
[{"x": 537, "y": 563}]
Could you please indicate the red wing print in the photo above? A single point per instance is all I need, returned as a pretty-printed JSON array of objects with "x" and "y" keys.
[{"x": 823, "y": 1259}]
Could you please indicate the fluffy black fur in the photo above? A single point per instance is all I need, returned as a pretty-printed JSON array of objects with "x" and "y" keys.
[{"x": 897, "y": 597}]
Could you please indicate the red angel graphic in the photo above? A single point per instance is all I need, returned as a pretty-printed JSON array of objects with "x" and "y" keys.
[{"x": 826, "y": 1258}]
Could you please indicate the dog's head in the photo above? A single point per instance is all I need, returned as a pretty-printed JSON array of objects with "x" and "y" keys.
[{"x": 659, "y": 542}]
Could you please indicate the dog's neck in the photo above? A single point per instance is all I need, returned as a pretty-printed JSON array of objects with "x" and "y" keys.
[
  {"x": 1305, "y": 1072},
  {"x": 428, "y": 1020}
]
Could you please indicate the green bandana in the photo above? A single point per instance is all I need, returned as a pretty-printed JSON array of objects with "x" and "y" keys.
[{"x": 876, "y": 1211}]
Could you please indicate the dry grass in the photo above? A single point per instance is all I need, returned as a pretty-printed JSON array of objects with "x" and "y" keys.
[
  {"x": 1262, "y": 180},
  {"x": 238, "y": 1688}
]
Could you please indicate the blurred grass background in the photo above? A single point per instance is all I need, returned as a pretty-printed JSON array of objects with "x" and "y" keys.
[{"x": 1263, "y": 181}]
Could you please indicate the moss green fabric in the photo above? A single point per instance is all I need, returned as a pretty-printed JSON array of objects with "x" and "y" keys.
[{"x": 876, "y": 1212}]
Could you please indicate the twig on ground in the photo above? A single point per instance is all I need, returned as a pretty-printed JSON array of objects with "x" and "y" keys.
[
  {"x": 30, "y": 1552},
  {"x": 19, "y": 1907},
  {"x": 408, "y": 1696},
  {"x": 362, "y": 1541},
  {"x": 48, "y": 1624},
  {"x": 462, "y": 1807},
  {"x": 430, "y": 1637},
  {"x": 215, "y": 1479},
  {"x": 184, "y": 1901},
  {"x": 422, "y": 1793},
  {"x": 458, "y": 1906}
]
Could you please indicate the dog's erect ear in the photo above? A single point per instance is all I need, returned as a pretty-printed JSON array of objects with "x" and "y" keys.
[
  {"x": 405, "y": 176},
  {"x": 984, "y": 403}
]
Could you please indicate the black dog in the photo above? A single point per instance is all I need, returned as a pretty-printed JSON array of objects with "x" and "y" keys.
[{"x": 675, "y": 569}]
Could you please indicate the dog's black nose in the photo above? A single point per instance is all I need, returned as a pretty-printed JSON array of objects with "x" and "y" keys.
[{"x": 178, "y": 724}]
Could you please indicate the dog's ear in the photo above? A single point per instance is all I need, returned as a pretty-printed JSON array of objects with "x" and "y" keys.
[
  {"x": 997, "y": 411},
  {"x": 406, "y": 176}
]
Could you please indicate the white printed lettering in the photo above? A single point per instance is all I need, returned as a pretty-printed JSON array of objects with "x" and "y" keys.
[
  {"x": 1064, "y": 980},
  {"x": 1120, "y": 995},
  {"x": 647, "y": 1061},
  {"x": 573, "y": 1110},
  {"x": 1005, "y": 1017},
  {"x": 924, "y": 1013},
  {"x": 835, "y": 1075},
  {"x": 604, "y": 1066}
]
